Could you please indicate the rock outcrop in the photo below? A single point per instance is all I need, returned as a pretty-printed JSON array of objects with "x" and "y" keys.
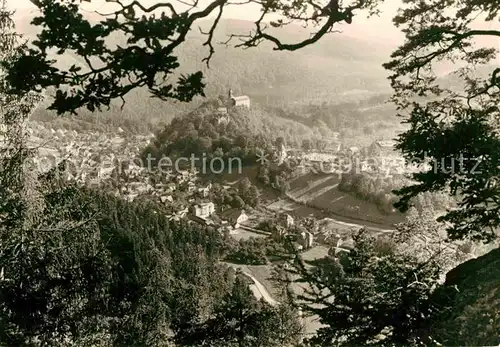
[{"x": 470, "y": 300}]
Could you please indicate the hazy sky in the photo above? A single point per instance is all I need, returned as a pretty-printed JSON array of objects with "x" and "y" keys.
[{"x": 373, "y": 28}]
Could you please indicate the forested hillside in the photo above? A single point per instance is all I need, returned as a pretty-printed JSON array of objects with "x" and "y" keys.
[
  {"x": 329, "y": 71},
  {"x": 336, "y": 70},
  {"x": 238, "y": 134},
  {"x": 122, "y": 275},
  {"x": 327, "y": 239}
]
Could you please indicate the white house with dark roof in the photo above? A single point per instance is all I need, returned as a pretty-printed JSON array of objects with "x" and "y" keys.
[
  {"x": 203, "y": 210},
  {"x": 286, "y": 220},
  {"x": 222, "y": 110},
  {"x": 234, "y": 217},
  {"x": 306, "y": 239},
  {"x": 238, "y": 101},
  {"x": 353, "y": 150},
  {"x": 381, "y": 147}
]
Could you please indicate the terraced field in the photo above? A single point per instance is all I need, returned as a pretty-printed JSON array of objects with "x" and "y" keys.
[{"x": 321, "y": 191}]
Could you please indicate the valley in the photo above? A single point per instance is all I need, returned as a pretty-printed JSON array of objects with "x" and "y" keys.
[
  {"x": 271, "y": 196},
  {"x": 298, "y": 181}
]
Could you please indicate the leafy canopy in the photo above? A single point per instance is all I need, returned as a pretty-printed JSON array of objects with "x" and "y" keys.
[
  {"x": 375, "y": 294},
  {"x": 148, "y": 58},
  {"x": 453, "y": 126}
]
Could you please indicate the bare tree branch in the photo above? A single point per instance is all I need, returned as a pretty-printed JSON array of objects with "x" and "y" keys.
[
  {"x": 151, "y": 43},
  {"x": 210, "y": 36}
]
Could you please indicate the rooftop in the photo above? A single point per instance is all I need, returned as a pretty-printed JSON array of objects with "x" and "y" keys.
[
  {"x": 232, "y": 214},
  {"x": 386, "y": 143},
  {"x": 240, "y": 98}
]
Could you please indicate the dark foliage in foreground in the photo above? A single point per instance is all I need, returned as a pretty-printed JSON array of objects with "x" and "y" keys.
[
  {"x": 116, "y": 272},
  {"x": 372, "y": 294},
  {"x": 148, "y": 59},
  {"x": 454, "y": 129}
]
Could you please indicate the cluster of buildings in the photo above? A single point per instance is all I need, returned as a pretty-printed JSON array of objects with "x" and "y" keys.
[
  {"x": 287, "y": 228},
  {"x": 89, "y": 157},
  {"x": 226, "y": 221},
  {"x": 242, "y": 101},
  {"x": 110, "y": 161},
  {"x": 378, "y": 158},
  {"x": 100, "y": 159},
  {"x": 238, "y": 101}
]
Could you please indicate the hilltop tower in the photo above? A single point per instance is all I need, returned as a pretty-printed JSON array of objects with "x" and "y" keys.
[{"x": 240, "y": 101}]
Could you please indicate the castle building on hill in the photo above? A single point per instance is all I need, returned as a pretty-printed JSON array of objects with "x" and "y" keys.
[{"x": 238, "y": 101}]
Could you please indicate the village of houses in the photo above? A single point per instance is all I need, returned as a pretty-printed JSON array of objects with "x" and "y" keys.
[{"x": 185, "y": 193}]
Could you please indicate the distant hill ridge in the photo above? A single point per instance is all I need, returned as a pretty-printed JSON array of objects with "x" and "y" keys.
[{"x": 334, "y": 70}]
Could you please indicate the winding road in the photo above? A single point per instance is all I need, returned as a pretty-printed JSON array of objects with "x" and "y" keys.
[{"x": 261, "y": 290}]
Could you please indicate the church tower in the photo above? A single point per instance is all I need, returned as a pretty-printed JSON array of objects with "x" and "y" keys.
[{"x": 240, "y": 101}]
